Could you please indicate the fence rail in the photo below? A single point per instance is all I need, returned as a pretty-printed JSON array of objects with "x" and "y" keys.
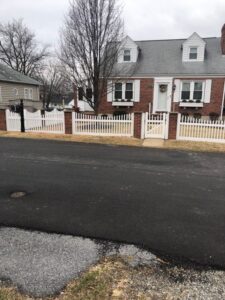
[
  {"x": 50, "y": 122},
  {"x": 103, "y": 126},
  {"x": 190, "y": 129},
  {"x": 156, "y": 126}
]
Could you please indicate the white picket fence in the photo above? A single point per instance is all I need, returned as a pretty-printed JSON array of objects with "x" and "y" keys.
[
  {"x": 103, "y": 126},
  {"x": 50, "y": 122},
  {"x": 156, "y": 126},
  {"x": 190, "y": 129}
]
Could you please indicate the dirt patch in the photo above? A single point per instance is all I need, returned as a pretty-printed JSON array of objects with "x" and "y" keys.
[
  {"x": 122, "y": 141},
  {"x": 114, "y": 278}
]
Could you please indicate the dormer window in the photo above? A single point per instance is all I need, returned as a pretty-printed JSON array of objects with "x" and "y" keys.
[
  {"x": 193, "y": 54},
  {"x": 126, "y": 55}
]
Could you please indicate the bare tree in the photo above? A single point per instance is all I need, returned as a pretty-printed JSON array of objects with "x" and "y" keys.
[
  {"x": 54, "y": 82},
  {"x": 90, "y": 44},
  {"x": 19, "y": 48}
]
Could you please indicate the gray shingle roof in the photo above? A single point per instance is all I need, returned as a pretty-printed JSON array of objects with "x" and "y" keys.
[
  {"x": 164, "y": 58},
  {"x": 9, "y": 75}
]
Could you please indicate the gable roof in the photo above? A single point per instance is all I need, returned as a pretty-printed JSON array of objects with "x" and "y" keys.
[
  {"x": 194, "y": 36},
  {"x": 9, "y": 75},
  {"x": 164, "y": 58}
]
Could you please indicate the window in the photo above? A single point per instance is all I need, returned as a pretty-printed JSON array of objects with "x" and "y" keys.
[
  {"x": 192, "y": 90},
  {"x": 197, "y": 91},
  {"x": 193, "y": 54},
  {"x": 126, "y": 55},
  {"x": 124, "y": 91},
  {"x": 15, "y": 93},
  {"x": 129, "y": 91},
  {"x": 28, "y": 93},
  {"x": 31, "y": 94},
  {"x": 118, "y": 91},
  {"x": 186, "y": 91}
]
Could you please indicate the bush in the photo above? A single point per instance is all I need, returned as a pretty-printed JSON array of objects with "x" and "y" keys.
[
  {"x": 197, "y": 116},
  {"x": 214, "y": 116}
]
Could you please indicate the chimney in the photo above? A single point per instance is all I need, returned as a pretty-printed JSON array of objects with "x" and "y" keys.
[{"x": 223, "y": 40}]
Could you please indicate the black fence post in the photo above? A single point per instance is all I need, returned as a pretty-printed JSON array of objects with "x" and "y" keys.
[{"x": 22, "y": 116}]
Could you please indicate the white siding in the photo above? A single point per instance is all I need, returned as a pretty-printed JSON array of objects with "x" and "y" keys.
[
  {"x": 128, "y": 44},
  {"x": 194, "y": 41},
  {"x": 8, "y": 91}
]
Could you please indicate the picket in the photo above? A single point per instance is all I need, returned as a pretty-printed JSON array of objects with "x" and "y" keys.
[
  {"x": 103, "y": 125},
  {"x": 49, "y": 122},
  {"x": 203, "y": 130}
]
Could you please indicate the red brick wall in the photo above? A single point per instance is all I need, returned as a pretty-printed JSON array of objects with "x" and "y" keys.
[
  {"x": 146, "y": 97},
  {"x": 68, "y": 122},
  {"x": 2, "y": 120},
  {"x": 137, "y": 124},
  {"x": 172, "y": 126},
  {"x": 215, "y": 102}
]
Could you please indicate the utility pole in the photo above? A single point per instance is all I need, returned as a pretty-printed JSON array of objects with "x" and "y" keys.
[{"x": 21, "y": 111}]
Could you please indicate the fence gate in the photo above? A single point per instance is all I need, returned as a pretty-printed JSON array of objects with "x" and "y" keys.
[{"x": 156, "y": 125}]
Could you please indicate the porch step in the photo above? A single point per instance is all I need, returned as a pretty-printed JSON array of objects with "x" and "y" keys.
[{"x": 154, "y": 143}]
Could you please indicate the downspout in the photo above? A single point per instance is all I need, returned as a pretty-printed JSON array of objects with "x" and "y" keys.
[{"x": 222, "y": 105}]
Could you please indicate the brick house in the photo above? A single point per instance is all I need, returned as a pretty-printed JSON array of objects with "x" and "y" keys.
[{"x": 176, "y": 75}]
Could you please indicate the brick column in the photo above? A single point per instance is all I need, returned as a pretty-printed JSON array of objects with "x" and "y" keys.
[
  {"x": 68, "y": 122},
  {"x": 137, "y": 124},
  {"x": 3, "y": 119},
  {"x": 173, "y": 126}
]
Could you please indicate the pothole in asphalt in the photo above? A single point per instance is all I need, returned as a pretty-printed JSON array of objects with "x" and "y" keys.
[{"x": 19, "y": 194}]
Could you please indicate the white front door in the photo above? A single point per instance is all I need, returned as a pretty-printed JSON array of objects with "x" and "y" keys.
[{"x": 162, "y": 95}]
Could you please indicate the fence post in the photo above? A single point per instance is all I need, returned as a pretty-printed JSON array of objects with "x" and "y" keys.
[
  {"x": 137, "y": 125},
  {"x": 173, "y": 117},
  {"x": 68, "y": 122},
  {"x": 3, "y": 120}
]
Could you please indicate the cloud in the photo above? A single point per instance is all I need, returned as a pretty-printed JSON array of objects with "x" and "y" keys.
[{"x": 144, "y": 19}]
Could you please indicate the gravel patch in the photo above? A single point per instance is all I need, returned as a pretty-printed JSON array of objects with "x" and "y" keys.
[{"x": 41, "y": 264}]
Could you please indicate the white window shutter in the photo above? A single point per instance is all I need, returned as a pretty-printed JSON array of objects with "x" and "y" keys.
[
  {"x": 176, "y": 96},
  {"x": 137, "y": 85},
  {"x": 110, "y": 91},
  {"x": 208, "y": 87}
]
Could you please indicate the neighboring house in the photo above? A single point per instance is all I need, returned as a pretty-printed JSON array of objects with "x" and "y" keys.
[
  {"x": 15, "y": 86},
  {"x": 168, "y": 75}
]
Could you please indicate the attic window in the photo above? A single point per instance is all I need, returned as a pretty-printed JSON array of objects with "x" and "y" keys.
[
  {"x": 126, "y": 55},
  {"x": 193, "y": 54}
]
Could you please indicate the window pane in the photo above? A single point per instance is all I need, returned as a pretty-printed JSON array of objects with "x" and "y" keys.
[
  {"x": 118, "y": 90},
  {"x": 129, "y": 91},
  {"x": 193, "y": 53},
  {"x": 197, "y": 96},
  {"x": 186, "y": 86},
  {"x": 198, "y": 86},
  {"x": 185, "y": 95},
  {"x": 118, "y": 86},
  {"x": 126, "y": 55}
]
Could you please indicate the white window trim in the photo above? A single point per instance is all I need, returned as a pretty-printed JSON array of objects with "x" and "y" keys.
[
  {"x": 193, "y": 59},
  {"x": 123, "y": 92},
  {"x": 0, "y": 94},
  {"x": 192, "y": 85},
  {"x": 31, "y": 93},
  {"x": 127, "y": 61}
]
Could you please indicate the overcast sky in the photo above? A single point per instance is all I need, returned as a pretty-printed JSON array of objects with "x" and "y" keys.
[{"x": 144, "y": 19}]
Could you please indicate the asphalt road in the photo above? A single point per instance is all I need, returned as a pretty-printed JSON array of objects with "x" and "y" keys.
[{"x": 170, "y": 202}]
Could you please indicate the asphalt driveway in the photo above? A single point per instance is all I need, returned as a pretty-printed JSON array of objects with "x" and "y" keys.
[{"x": 170, "y": 202}]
